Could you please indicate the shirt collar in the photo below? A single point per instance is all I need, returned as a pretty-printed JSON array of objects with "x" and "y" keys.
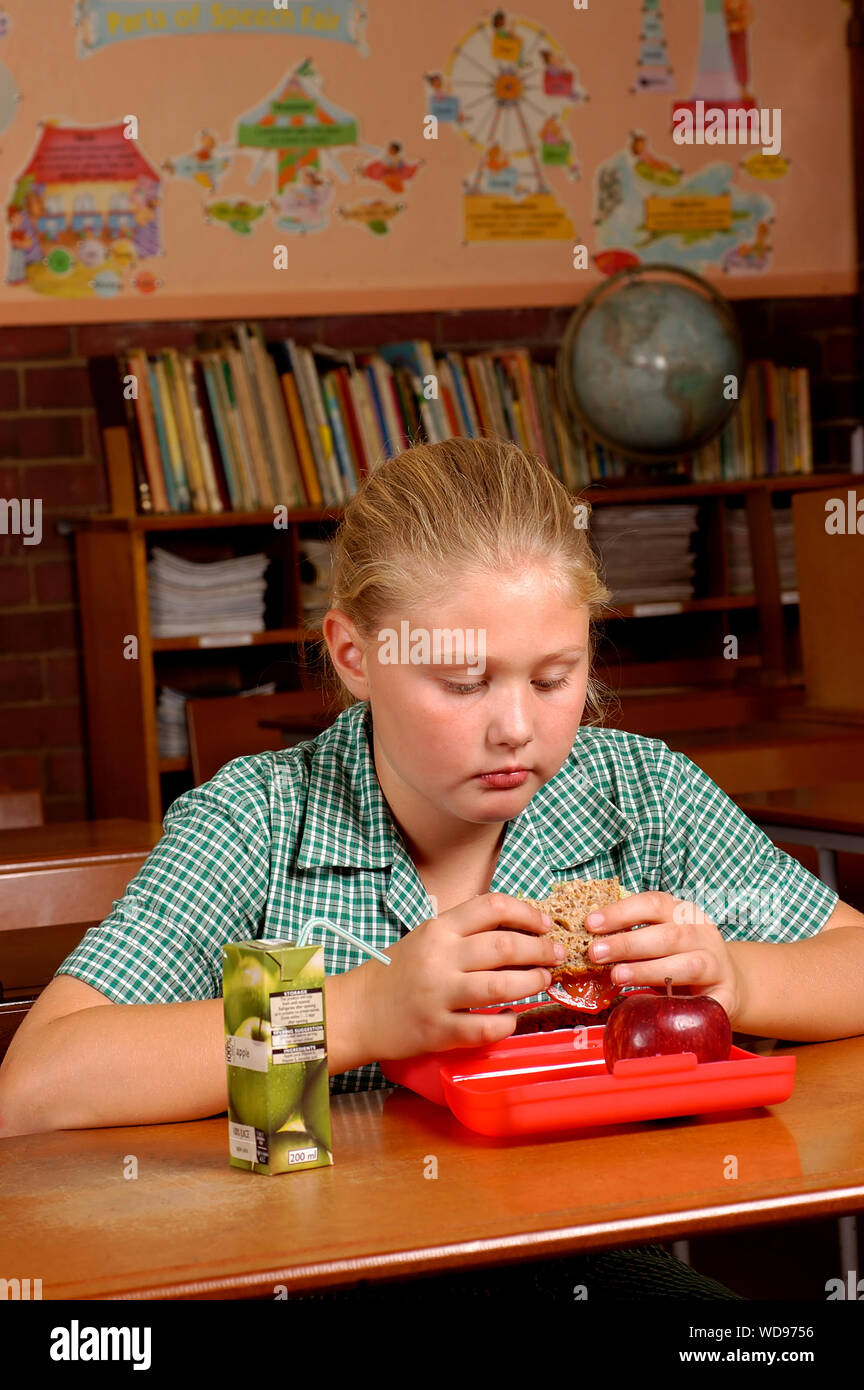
[{"x": 566, "y": 823}]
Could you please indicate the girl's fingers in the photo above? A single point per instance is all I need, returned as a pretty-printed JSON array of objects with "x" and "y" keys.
[
  {"x": 662, "y": 939},
  {"x": 490, "y": 910},
  {"x": 692, "y": 968},
  {"x": 480, "y": 989},
  {"x": 632, "y": 911},
  {"x": 492, "y": 950}
]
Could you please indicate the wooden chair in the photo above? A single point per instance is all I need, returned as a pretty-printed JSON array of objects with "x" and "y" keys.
[
  {"x": 19, "y": 809},
  {"x": 12, "y": 1015},
  {"x": 229, "y": 726},
  {"x": 830, "y": 574}
]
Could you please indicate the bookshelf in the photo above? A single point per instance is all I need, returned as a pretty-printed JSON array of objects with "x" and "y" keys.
[{"x": 643, "y": 645}]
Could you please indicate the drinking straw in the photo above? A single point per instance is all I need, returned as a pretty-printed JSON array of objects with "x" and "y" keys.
[{"x": 345, "y": 934}]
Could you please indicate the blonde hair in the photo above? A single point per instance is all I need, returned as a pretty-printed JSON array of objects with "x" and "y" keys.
[{"x": 439, "y": 510}]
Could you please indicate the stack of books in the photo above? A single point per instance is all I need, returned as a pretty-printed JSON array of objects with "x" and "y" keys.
[
  {"x": 239, "y": 424},
  {"x": 186, "y": 596},
  {"x": 646, "y": 551},
  {"x": 315, "y": 569},
  {"x": 172, "y": 730},
  {"x": 172, "y": 735},
  {"x": 740, "y": 562}
]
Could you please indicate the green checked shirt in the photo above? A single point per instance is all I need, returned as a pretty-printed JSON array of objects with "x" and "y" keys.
[{"x": 276, "y": 838}]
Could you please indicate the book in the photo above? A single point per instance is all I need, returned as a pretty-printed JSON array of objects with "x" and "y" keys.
[
  {"x": 302, "y": 442},
  {"x": 143, "y": 406},
  {"x": 201, "y": 439},
  {"x": 230, "y": 465},
  {"x": 161, "y": 396},
  {"x": 180, "y": 429},
  {"x": 290, "y": 483}
]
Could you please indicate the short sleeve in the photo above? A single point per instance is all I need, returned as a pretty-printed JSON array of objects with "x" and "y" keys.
[
  {"x": 713, "y": 855},
  {"x": 204, "y": 883}
]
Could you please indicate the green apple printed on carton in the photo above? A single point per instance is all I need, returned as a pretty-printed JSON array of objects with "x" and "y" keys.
[{"x": 276, "y": 1056}]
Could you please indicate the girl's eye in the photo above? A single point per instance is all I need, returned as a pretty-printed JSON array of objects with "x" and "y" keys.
[{"x": 469, "y": 689}]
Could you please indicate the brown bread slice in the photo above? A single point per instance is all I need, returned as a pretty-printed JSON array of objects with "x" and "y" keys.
[{"x": 568, "y": 905}]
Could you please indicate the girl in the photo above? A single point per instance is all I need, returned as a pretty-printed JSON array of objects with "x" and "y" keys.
[{"x": 444, "y": 788}]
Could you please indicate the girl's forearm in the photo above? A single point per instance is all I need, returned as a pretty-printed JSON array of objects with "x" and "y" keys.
[
  {"x": 136, "y": 1064},
  {"x": 807, "y": 991}
]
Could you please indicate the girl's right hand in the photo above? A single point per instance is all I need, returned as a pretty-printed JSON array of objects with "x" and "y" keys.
[{"x": 489, "y": 950}]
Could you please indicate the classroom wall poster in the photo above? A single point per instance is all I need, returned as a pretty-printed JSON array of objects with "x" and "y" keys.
[
  {"x": 104, "y": 22},
  {"x": 647, "y": 209},
  {"x": 509, "y": 89},
  {"x": 387, "y": 155}
]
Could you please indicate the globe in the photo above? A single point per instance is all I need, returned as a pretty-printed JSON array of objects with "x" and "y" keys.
[{"x": 651, "y": 362}]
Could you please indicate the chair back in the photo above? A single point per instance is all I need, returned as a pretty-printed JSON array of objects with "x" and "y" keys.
[
  {"x": 229, "y": 726},
  {"x": 828, "y": 545},
  {"x": 12, "y": 1015},
  {"x": 20, "y": 809}
]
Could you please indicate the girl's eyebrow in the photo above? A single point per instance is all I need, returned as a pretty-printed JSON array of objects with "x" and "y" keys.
[{"x": 553, "y": 656}]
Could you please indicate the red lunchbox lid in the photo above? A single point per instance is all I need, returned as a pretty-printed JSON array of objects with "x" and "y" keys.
[{"x": 545, "y": 1083}]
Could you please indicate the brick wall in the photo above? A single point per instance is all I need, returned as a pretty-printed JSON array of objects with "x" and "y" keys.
[{"x": 49, "y": 448}]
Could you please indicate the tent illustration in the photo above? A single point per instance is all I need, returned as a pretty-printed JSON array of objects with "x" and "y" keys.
[{"x": 297, "y": 124}]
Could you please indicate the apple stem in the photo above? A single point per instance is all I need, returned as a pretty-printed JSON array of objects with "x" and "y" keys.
[{"x": 668, "y": 986}]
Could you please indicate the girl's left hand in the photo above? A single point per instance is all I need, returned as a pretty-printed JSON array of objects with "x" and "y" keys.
[{"x": 678, "y": 940}]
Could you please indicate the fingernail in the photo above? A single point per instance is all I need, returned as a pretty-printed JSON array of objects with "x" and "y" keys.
[
  {"x": 595, "y": 919},
  {"x": 560, "y": 950},
  {"x": 601, "y": 951},
  {"x": 623, "y": 975},
  {"x": 547, "y": 920}
]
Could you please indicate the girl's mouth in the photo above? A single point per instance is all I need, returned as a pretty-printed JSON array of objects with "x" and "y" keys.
[{"x": 502, "y": 781}]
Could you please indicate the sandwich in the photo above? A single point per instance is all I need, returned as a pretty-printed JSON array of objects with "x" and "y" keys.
[{"x": 577, "y": 981}]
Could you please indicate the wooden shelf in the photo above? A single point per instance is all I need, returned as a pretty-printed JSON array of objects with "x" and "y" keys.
[
  {"x": 213, "y": 641},
  {"x": 113, "y": 551},
  {"x": 600, "y": 493}
]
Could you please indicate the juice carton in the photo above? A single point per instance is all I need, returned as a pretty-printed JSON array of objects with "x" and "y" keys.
[{"x": 276, "y": 1055}]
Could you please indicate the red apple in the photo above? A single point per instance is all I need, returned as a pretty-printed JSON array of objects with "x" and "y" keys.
[{"x": 646, "y": 1025}]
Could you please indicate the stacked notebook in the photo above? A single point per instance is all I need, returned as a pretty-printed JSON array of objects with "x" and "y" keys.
[
  {"x": 740, "y": 561},
  {"x": 190, "y": 597},
  {"x": 646, "y": 551}
]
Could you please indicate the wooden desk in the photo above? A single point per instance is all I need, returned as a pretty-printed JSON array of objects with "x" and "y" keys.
[
  {"x": 70, "y": 871},
  {"x": 190, "y": 1226},
  {"x": 829, "y": 818},
  {"x": 781, "y": 754}
]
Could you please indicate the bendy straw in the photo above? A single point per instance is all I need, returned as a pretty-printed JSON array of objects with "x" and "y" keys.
[{"x": 346, "y": 935}]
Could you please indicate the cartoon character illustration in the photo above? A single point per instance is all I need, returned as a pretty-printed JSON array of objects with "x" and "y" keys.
[
  {"x": 552, "y": 131},
  {"x": 144, "y": 201},
  {"x": 301, "y": 206},
  {"x": 442, "y": 104},
  {"x": 376, "y": 214},
  {"x": 750, "y": 256},
  {"x": 506, "y": 45},
  {"x": 557, "y": 79},
  {"x": 20, "y": 243},
  {"x": 739, "y": 16},
  {"x": 201, "y": 165},
  {"x": 392, "y": 170},
  {"x": 649, "y": 165}
]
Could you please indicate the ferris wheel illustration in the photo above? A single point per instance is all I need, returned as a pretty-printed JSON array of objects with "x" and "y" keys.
[{"x": 515, "y": 89}]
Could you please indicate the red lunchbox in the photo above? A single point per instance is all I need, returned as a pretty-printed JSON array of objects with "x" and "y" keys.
[{"x": 549, "y": 1082}]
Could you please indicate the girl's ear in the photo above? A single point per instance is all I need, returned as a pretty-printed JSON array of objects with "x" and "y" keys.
[{"x": 347, "y": 652}]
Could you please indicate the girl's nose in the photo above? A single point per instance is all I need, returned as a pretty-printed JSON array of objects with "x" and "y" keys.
[{"x": 510, "y": 722}]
